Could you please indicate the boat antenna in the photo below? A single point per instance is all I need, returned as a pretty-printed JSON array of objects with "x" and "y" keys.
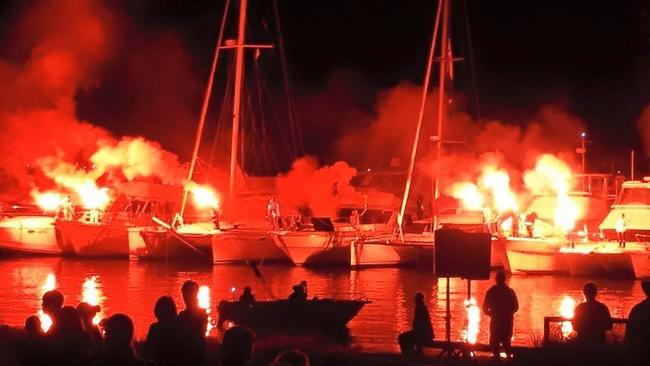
[
  {"x": 423, "y": 101},
  {"x": 204, "y": 107}
]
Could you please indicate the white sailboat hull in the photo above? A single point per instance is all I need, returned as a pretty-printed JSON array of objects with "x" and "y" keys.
[
  {"x": 29, "y": 235},
  {"x": 237, "y": 246},
  {"x": 95, "y": 240}
]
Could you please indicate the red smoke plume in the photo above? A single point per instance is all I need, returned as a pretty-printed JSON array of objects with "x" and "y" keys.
[
  {"x": 507, "y": 144},
  {"x": 320, "y": 189},
  {"x": 69, "y": 42}
]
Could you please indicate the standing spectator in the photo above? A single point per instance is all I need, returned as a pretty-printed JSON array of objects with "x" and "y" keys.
[
  {"x": 500, "y": 304},
  {"x": 592, "y": 318}
]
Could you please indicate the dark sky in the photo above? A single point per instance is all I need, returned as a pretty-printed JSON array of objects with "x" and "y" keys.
[{"x": 590, "y": 56}]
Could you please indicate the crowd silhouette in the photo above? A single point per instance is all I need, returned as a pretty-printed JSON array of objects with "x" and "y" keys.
[
  {"x": 174, "y": 339},
  {"x": 179, "y": 338},
  {"x": 591, "y": 322}
]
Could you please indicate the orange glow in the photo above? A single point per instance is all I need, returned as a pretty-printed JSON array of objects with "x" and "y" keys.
[
  {"x": 204, "y": 196},
  {"x": 567, "y": 308},
  {"x": 48, "y": 201},
  {"x": 553, "y": 176},
  {"x": 91, "y": 294},
  {"x": 49, "y": 285},
  {"x": 204, "y": 303},
  {"x": 469, "y": 194},
  {"x": 497, "y": 182},
  {"x": 93, "y": 197},
  {"x": 470, "y": 333}
]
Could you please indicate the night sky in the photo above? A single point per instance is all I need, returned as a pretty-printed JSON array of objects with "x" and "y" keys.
[{"x": 589, "y": 56}]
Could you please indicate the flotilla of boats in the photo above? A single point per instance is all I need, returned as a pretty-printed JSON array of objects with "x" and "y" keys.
[{"x": 150, "y": 221}]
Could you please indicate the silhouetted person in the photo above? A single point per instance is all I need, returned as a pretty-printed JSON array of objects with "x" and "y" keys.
[
  {"x": 530, "y": 223},
  {"x": 422, "y": 331},
  {"x": 620, "y": 230},
  {"x": 52, "y": 302},
  {"x": 292, "y": 357},
  {"x": 298, "y": 294},
  {"x": 303, "y": 283},
  {"x": 637, "y": 331},
  {"x": 500, "y": 304},
  {"x": 237, "y": 347},
  {"x": 161, "y": 338},
  {"x": 87, "y": 313},
  {"x": 247, "y": 298},
  {"x": 68, "y": 342},
  {"x": 592, "y": 319},
  {"x": 192, "y": 323},
  {"x": 118, "y": 344},
  {"x": 33, "y": 346}
]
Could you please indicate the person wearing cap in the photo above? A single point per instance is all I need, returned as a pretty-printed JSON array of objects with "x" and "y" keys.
[{"x": 87, "y": 313}]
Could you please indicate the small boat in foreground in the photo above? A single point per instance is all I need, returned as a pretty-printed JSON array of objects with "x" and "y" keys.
[{"x": 317, "y": 315}]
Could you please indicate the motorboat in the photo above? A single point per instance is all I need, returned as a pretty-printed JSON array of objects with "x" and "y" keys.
[{"x": 315, "y": 315}]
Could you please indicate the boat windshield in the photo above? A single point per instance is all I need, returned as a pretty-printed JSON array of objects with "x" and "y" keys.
[{"x": 634, "y": 196}]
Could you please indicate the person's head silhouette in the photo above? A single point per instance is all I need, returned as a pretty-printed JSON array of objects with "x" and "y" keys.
[
  {"x": 33, "y": 326},
  {"x": 237, "y": 346},
  {"x": 500, "y": 278},
  {"x": 118, "y": 331},
  {"x": 590, "y": 291},
  {"x": 419, "y": 298},
  {"x": 247, "y": 290},
  {"x": 165, "y": 308},
  {"x": 87, "y": 312},
  {"x": 645, "y": 286},
  {"x": 52, "y": 302},
  {"x": 190, "y": 291}
]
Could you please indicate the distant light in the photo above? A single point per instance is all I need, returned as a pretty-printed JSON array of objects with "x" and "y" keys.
[
  {"x": 583, "y": 134},
  {"x": 368, "y": 169},
  {"x": 233, "y": 289}
]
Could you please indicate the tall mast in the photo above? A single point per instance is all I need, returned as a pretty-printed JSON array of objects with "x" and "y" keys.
[
  {"x": 423, "y": 101},
  {"x": 445, "y": 58},
  {"x": 204, "y": 108},
  {"x": 236, "y": 105}
]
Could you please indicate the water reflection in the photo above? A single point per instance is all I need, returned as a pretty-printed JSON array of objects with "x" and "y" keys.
[{"x": 133, "y": 287}]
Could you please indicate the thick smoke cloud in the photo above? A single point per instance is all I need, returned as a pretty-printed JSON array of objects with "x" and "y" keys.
[
  {"x": 513, "y": 145},
  {"x": 70, "y": 41}
]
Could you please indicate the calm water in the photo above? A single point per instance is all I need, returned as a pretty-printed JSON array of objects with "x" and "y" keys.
[{"x": 133, "y": 287}]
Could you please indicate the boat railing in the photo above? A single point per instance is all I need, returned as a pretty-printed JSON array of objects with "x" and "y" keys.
[{"x": 556, "y": 331}]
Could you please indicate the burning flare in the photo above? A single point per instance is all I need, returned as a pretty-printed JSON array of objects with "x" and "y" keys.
[
  {"x": 91, "y": 294},
  {"x": 48, "y": 201},
  {"x": 204, "y": 196},
  {"x": 49, "y": 285},
  {"x": 469, "y": 194},
  {"x": 553, "y": 176},
  {"x": 567, "y": 312},
  {"x": 470, "y": 334},
  {"x": 497, "y": 182},
  {"x": 204, "y": 303}
]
